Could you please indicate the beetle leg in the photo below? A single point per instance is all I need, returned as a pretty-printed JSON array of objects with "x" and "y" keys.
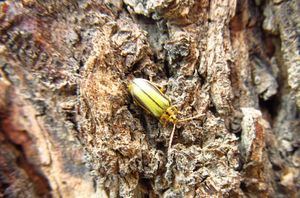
[
  {"x": 179, "y": 112},
  {"x": 172, "y": 110},
  {"x": 175, "y": 110},
  {"x": 171, "y": 137},
  {"x": 164, "y": 120},
  {"x": 191, "y": 118},
  {"x": 161, "y": 88}
]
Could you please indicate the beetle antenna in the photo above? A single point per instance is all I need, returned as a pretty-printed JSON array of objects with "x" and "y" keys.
[
  {"x": 171, "y": 137},
  {"x": 191, "y": 118}
]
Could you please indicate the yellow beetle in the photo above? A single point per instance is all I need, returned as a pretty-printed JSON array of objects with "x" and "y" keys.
[{"x": 148, "y": 96}]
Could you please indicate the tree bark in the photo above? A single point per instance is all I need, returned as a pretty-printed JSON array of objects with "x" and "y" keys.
[{"x": 69, "y": 127}]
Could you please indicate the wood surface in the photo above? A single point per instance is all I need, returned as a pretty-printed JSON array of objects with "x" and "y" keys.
[{"x": 69, "y": 127}]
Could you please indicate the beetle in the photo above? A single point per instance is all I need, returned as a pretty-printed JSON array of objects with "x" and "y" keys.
[{"x": 148, "y": 96}]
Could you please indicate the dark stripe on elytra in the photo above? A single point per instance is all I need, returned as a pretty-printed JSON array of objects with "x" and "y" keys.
[
  {"x": 149, "y": 96},
  {"x": 159, "y": 91},
  {"x": 137, "y": 100}
]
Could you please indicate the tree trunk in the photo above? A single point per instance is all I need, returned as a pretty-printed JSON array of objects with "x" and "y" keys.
[{"x": 69, "y": 127}]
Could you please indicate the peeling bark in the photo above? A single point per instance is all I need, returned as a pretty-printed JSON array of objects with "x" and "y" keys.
[{"x": 69, "y": 128}]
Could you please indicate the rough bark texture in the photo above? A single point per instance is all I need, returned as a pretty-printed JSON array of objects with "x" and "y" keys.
[{"x": 69, "y": 128}]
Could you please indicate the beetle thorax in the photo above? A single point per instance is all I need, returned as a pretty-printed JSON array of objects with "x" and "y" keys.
[{"x": 170, "y": 115}]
